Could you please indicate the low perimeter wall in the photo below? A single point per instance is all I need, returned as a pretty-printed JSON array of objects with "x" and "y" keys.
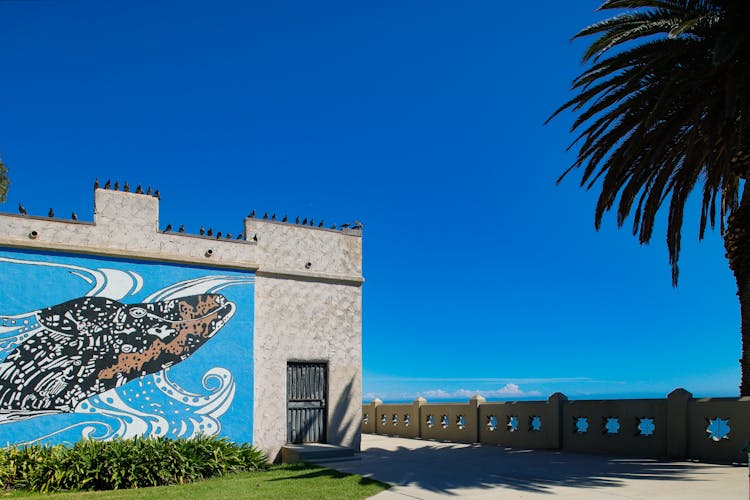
[{"x": 679, "y": 427}]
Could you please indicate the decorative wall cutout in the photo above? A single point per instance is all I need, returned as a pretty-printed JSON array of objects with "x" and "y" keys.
[
  {"x": 581, "y": 425},
  {"x": 384, "y": 420},
  {"x": 461, "y": 422},
  {"x": 407, "y": 420},
  {"x": 430, "y": 421},
  {"x": 535, "y": 424},
  {"x": 718, "y": 428},
  {"x": 491, "y": 422},
  {"x": 646, "y": 426},
  {"x": 611, "y": 426},
  {"x": 512, "y": 424},
  {"x": 365, "y": 418},
  {"x": 444, "y": 421},
  {"x": 394, "y": 420}
]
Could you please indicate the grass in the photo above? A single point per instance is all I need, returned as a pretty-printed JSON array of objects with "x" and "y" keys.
[{"x": 281, "y": 481}]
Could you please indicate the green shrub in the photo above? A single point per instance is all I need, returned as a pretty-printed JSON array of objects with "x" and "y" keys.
[{"x": 124, "y": 463}]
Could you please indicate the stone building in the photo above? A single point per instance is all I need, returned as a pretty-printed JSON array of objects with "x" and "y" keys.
[{"x": 116, "y": 328}]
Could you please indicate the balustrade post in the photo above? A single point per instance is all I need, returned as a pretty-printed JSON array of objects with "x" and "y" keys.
[
  {"x": 557, "y": 429},
  {"x": 677, "y": 423},
  {"x": 475, "y": 403},
  {"x": 417, "y": 412}
]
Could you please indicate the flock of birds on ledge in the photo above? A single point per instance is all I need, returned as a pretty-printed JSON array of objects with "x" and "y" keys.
[{"x": 203, "y": 232}]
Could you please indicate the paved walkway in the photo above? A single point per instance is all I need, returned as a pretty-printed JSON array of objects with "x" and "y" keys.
[{"x": 428, "y": 469}]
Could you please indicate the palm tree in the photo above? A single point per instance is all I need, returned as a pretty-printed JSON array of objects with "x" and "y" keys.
[{"x": 662, "y": 108}]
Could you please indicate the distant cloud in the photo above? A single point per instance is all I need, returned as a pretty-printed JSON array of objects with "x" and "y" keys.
[{"x": 506, "y": 391}]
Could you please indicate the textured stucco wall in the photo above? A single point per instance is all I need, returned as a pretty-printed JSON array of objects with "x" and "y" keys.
[{"x": 308, "y": 294}]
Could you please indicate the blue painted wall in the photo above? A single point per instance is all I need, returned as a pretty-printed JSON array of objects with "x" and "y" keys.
[{"x": 207, "y": 387}]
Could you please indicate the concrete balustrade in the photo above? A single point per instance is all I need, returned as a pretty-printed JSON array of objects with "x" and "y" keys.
[{"x": 678, "y": 426}]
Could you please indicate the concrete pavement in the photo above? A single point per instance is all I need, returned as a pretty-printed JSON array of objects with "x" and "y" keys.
[{"x": 429, "y": 469}]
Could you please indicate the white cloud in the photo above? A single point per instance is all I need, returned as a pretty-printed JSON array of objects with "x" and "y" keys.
[{"x": 507, "y": 391}]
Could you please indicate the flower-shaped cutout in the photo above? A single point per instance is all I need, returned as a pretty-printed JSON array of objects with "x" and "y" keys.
[
  {"x": 646, "y": 426},
  {"x": 383, "y": 420},
  {"x": 491, "y": 422},
  {"x": 611, "y": 425},
  {"x": 512, "y": 423},
  {"x": 444, "y": 421},
  {"x": 461, "y": 422},
  {"x": 718, "y": 428},
  {"x": 394, "y": 420},
  {"x": 407, "y": 420},
  {"x": 535, "y": 424},
  {"x": 581, "y": 425},
  {"x": 365, "y": 418},
  {"x": 430, "y": 421}
]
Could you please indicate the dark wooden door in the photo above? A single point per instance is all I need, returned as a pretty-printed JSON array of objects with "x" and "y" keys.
[{"x": 306, "y": 402}]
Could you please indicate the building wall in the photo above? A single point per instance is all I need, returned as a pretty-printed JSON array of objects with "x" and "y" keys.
[
  {"x": 306, "y": 299},
  {"x": 306, "y": 314}
]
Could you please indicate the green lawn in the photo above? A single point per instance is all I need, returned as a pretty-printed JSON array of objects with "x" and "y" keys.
[{"x": 282, "y": 481}]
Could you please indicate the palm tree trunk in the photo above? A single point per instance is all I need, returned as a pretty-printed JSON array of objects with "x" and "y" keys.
[{"x": 737, "y": 245}]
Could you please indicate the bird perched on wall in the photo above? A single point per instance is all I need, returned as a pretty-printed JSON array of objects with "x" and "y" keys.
[
  {"x": 210, "y": 232},
  {"x": 255, "y": 237},
  {"x": 182, "y": 229},
  {"x": 357, "y": 225},
  {"x": 73, "y": 216},
  {"x": 117, "y": 185},
  {"x": 251, "y": 215},
  {"x": 265, "y": 215},
  {"x": 344, "y": 226},
  {"x": 273, "y": 217},
  {"x": 168, "y": 228},
  {"x": 148, "y": 191},
  {"x": 202, "y": 231},
  {"x": 157, "y": 195},
  {"x": 51, "y": 213},
  {"x": 108, "y": 184},
  {"x": 126, "y": 187},
  {"x": 21, "y": 209},
  {"x": 304, "y": 221},
  {"x": 239, "y": 236},
  {"x": 296, "y": 221},
  {"x": 139, "y": 189},
  {"x": 312, "y": 223},
  {"x": 321, "y": 224},
  {"x": 228, "y": 236},
  {"x": 218, "y": 235},
  {"x": 285, "y": 218},
  {"x": 96, "y": 183},
  {"x": 333, "y": 226}
]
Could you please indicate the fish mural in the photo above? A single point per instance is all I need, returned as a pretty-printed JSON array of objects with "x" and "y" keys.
[
  {"x": 89, "y": 345},
  {"x": 129, "y": 348}
]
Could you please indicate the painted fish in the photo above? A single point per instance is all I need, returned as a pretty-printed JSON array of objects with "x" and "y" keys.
[{"x": 92, "y": 344}]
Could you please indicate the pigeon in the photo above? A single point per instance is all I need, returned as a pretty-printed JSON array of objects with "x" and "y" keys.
[
  {"x": 296, "y": 221},
  {"x": 139, "y": 190},
  {"x": 156, "y": 195},
  {"x": 182, "y": 229},
  {"x": 117, "y": 185},
  {"x": 210, "y": 232},
  {"x": 265, "y": 216},
  {"x": 108, "y": 184},
  {"x": 273, "y": 217},
  {"x": 251, "y": 215},
  {"x": 333, "y": 226},
  {"x": 51, "y": 213},
  {"x": 202, "y": 231},
  {"x": 96, "y": 183},
  {"x": 73, "y": 216},
  {"x": 357, "y": 225},
  {"x": 148, "y": 191},
  {"x": 321, "y": 224},
  {"x": 126, "y": 187},
  {"x": 218, "y": 235},
  {"x": 255, "y": 237},
  {"x": 312, "y": 223},
  {"x": 228, "y": 236},
  {"x": 344, "y": 226},
  {"x": 285, "y": 218},
  {"x": 21, "y": 209},
  {"x": 304, "y": 221},
  {"x": 168, "y": 228},
  {"x": 239, "y": 236}
]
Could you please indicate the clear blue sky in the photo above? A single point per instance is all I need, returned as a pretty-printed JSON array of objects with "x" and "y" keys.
[{"x": 423, "y": 119}]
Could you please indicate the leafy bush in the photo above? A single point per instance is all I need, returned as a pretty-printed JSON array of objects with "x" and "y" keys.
[{"x": 124, "y": 463}]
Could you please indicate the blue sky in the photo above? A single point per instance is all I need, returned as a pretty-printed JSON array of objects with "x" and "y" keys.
[{"x": 424, "y": 120}]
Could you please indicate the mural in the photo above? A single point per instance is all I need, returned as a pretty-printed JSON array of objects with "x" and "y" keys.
[{"x": 87, "y": 352}]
